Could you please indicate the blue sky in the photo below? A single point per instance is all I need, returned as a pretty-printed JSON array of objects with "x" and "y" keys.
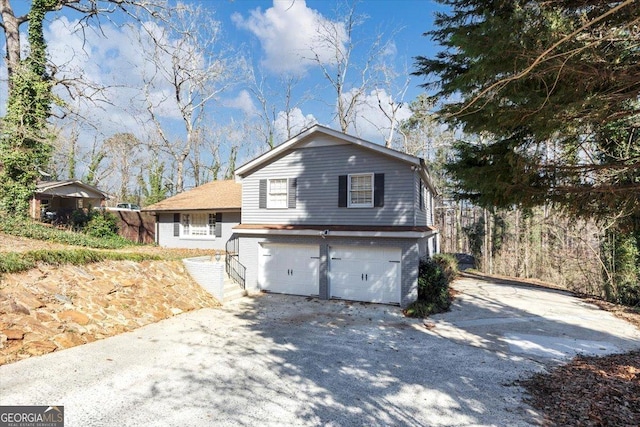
[
  {"x": 402, "y": 22},
  {"x": 273, "y": 37}
]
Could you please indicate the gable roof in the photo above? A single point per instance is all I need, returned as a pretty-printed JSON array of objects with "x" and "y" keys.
[
  {"x": 69, "y": 188},
  {"x": 214, "y": 195},
  {"x": 299, "y": 139}
]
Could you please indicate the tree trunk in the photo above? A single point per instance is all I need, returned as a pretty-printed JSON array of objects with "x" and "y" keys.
[
  {"x": 12, "y": 36},
  {"x": 517, "y": 241},
  {"x": 458, "y": 227}
]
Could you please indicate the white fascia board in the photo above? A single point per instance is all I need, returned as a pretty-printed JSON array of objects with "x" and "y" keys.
[
  {"x": 247, "y": 167},
  {"x": 368, "y": 234}
]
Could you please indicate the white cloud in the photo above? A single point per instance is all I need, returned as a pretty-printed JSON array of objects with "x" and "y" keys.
[
  {"x": 297, "y": 122},
  {"x": 291, "y": 33},
  {"x": 390, "y": 50},
  {"x": 243, "y": 102},
  {"x": 111, "y": 62},
  {"x": 107, "y": 63},
  {"x": 371, "y": 122}
]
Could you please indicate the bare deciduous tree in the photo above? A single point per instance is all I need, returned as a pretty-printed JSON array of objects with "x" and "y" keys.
[
  {"x": 11, "y": 23},
  {"x": 277, "y": 106},
  {"x": 189, "y": 69},
  {"x": 391, "y": 100},
  {"x": 124, "y": 151},
  {"x": 338, "y": 38}
]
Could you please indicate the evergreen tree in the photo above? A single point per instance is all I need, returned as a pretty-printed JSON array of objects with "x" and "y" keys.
[
  {"x": 543, "y": 79},
  {"x": 553, "y": 88},
  {"x": 153, "y": 186}
]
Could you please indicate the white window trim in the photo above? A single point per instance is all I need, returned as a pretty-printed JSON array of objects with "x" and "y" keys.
[
  {"x": 360, "y": 205},
  {"x": 270, "y": 202},
  {"x": 187, "y": 227}
]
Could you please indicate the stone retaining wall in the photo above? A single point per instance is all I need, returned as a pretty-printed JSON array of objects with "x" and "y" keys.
[{"x": 50, "y": 308}]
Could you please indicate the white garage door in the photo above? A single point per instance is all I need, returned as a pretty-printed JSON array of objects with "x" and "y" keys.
[
  {"x": 365, "y": 274},
  {"x": 289, "y": 269}
]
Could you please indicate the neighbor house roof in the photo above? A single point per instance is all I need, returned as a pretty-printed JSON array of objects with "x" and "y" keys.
[
  {"x": 215, "y": 195},
  {"x": 69, "y": 188},
  {"x": 299, "y": 139}
]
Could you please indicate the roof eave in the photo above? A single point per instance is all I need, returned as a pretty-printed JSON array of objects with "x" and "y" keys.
[
  {"x": 253, "y": 164},
  {"x": 179, "y": 209}
]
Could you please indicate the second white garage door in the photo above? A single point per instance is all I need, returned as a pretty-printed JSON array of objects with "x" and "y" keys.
[
  {"x": 369, "y": 274},
  {"x": 289, "y": 269}
]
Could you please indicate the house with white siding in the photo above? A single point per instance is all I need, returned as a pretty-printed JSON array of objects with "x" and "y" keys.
[
  {"x": 324, "y": 214},
  {"x": 200, "y": 218}
]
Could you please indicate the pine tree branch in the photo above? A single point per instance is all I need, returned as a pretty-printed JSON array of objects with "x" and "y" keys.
[{"x": 543, "y": 55}]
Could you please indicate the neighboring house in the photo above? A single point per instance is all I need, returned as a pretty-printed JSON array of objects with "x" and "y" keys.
[
  {"x": 334, "y": 216},
  {"x": 54, "y": 199},
  {"x": 202, "y": 217}
]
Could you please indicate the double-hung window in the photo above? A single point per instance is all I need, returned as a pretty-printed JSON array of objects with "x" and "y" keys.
[
  {"x": 361, "y": 190},
  {"x": 200, "y": 225},
  {"x": 277, "y": 194}
]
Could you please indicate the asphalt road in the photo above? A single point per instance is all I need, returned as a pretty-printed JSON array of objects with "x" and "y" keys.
[{"x": 275, "y": 360}]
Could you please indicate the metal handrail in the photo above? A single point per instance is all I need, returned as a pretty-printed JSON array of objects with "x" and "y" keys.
[{"x": 235, "y": 270}]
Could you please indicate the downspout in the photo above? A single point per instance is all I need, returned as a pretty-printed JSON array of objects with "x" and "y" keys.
[
  {"x": 156, "y": 226},
  {"x": 415, "y": 184}
]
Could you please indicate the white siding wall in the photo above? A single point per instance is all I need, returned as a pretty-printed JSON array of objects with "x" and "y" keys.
[
  {"x": 424, "y": 216},
  {"x": 317, "y": 169},
  {"x": 166, "y": 238}
]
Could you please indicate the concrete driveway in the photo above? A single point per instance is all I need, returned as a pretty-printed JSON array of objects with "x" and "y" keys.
[{"x": 276, "y": 360}]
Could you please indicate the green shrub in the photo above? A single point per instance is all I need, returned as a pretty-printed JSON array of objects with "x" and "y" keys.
[
  {"x": 78, "y": 219},
  {"x": 432, "y": 282},
  {"x": 102, "y": 224},
  {"x": 22, "y": 227},
  {"x": 449, "y": 265},
  {"x": 434, "y": 276},
  {"x": 13, "y": 262}
]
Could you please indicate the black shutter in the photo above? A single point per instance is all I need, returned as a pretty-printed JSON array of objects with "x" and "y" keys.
[
  {"x": 342, "y": 191},
  {"x": 421, "y": 195},
  {"x": 176, "y": 225},
  {"x": 218, "y": 229},
  {"x": 293, "y": 185},
  {"x": 378, "y": 190},
  {"x": 262, "y": 195}
]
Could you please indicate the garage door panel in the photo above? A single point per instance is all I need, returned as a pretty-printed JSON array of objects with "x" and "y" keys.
[
  {"x": 360, "y": 290},
  {"x": 365, "y": 273},
  {"x": 289, "y": 269}
]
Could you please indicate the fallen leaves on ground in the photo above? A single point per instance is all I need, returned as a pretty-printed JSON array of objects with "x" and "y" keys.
[{"x": 589, "y": 391}]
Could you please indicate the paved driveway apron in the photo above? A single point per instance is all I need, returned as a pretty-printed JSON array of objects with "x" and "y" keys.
[{"x": 276, "y": 360}]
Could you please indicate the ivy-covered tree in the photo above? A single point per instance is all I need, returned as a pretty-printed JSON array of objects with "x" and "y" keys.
[
  {"x": 152, "y": 186},
  {"x": 25, "y": 144}
]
